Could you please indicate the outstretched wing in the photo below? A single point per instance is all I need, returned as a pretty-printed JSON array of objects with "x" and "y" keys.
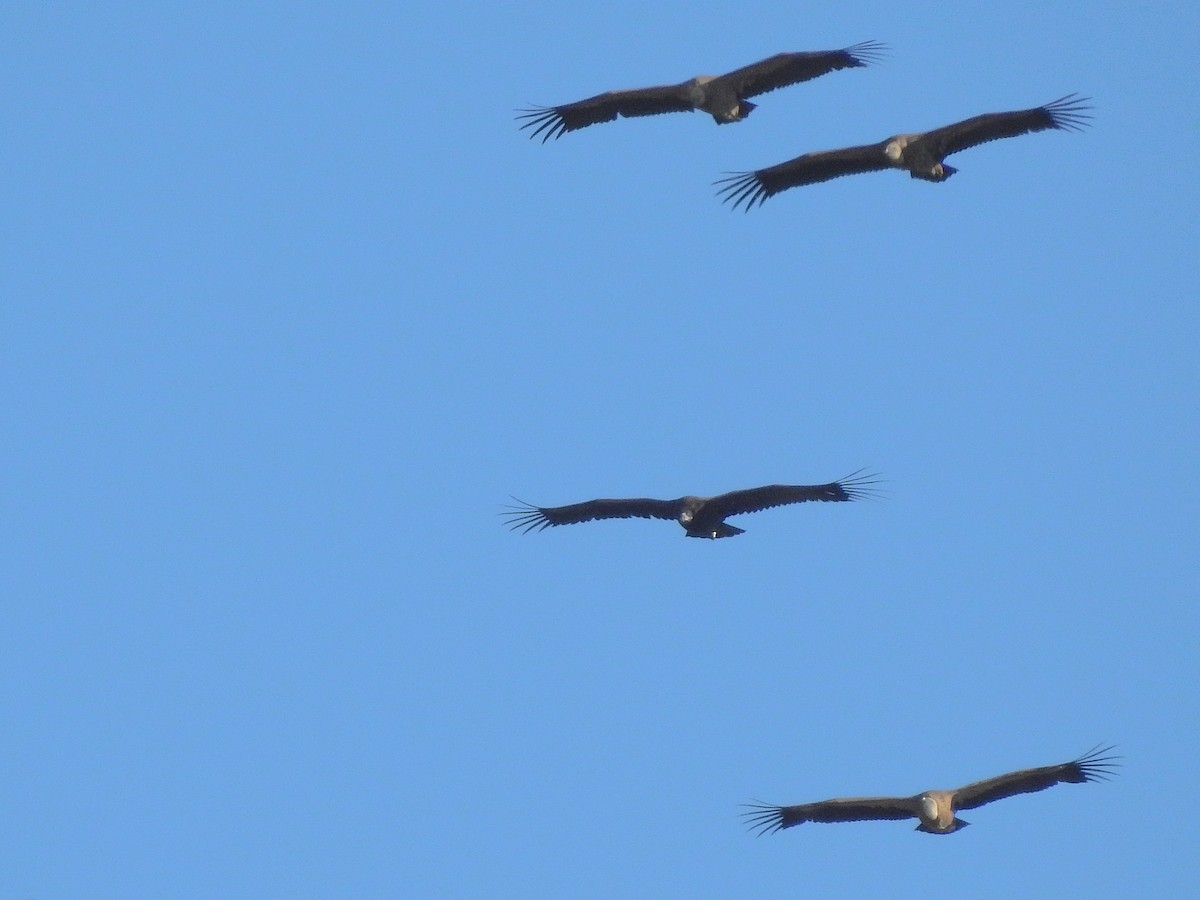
[
  {"x": 555, "y": 121},
  {"x": 528, "y": 518},
  {"x": 792, "y": 68},
  {"x": 853, "y": 487},
  {"x": 766, "y": 819},
  {"x": 753, "y": 188},
  {"x": 1092, "y": 766},
  {"x": 1067, "y": 113}
]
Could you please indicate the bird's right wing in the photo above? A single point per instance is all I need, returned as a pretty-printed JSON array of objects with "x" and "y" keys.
[
  {"x": 752, "y": 188},
  {"x": 555, "y": 121},
  {"x": 527, "y": 517},
  {"x": 766, "y": 819}
]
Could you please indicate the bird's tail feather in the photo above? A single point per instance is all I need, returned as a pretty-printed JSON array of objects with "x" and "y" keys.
[{"x": 723, "y": 530}]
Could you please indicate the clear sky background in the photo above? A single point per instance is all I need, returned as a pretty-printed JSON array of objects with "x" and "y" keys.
[{"x": 289, "y": 307}]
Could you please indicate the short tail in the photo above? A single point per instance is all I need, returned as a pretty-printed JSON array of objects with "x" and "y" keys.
[
  {"x": 721, "y": 531},
  {"x": 954, "y": 826},
  {"x": 743, "y": 109}
]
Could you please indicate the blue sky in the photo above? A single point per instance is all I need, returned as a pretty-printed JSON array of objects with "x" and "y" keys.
[{"x": 291, "y": 308}]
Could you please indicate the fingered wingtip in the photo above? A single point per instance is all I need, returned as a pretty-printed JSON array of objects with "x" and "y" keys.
[
  {"x": 524, "y": 518},
  {"x": 762, "y": 818},
  {"x": 741, "y": 189},
  {"x": 1070, "y": 113},
  {"x": 1099, "y": 763},
  {"x": 542, "y": 119},
  {"x": 868, "y": 52},
  {"x": 861, "y": 484}
]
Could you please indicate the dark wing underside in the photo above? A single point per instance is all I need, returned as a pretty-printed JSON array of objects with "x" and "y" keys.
[
  {"x": 852, "y": 487},
  {"x": 766, "y": 819},
  {"x": 753, "y": 188},
  {"x": 1067, "y": 113},
  {"x": 528, "y": 518},
  {"x": 792, "y": 68},
  {"x": 555, "y": 121},
  {"x": 1092, "y": 766}
]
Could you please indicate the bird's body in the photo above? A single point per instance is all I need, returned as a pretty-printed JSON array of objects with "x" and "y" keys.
[
  {"x": 936, "y": 809},
  {"x": 922, "y": 155},
  {"x": 700, "y": 517},
  {"x": 721, "y": 96}
]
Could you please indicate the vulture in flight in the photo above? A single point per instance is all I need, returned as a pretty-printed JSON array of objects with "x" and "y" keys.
[
  {"x": 722, "y": 96},
  {"x": 920, "y": 154},
  {"x": 701, "y": 517},
  {"x": 935, "y": 809}
]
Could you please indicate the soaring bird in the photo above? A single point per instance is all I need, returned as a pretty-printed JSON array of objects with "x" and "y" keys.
[
  {"x": 701, "y": 517},
  {"x": 722, "y": 96},
  {"x": 920, "y": 154},
  {"x": 935, "y": 809}
]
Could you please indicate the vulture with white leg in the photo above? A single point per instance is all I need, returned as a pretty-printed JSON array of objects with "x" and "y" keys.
[
  {"x": 701, "y": 517},
  {"x": 935, "y": 810},
  {"x": 921, "y": 155},
  {"x": 721, "y": 96}
]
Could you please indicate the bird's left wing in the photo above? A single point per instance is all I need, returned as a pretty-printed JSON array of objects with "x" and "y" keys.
[
  {"x": 784, "y": 69},
  {"x": 1094, "y": 765},
  {"x": 1067, "y": 113},
  {"x": 852, "y": 487}
]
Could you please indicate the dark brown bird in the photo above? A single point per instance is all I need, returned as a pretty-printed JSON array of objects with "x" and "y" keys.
[
  {"x": 701, "y": 517},
  {"x": 921, "y": 155},
  {"x": 722, "y": 96},
  {"x": 935, "y": 809}
]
